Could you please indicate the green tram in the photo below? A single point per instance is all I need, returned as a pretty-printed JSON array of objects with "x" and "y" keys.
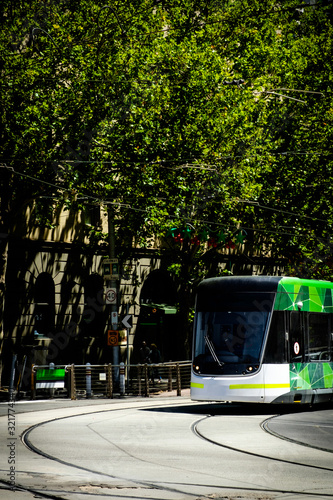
[{"x": 265, "y": 339}]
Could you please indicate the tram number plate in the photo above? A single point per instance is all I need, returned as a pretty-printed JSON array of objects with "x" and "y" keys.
[{"x": 296, "y": 348}]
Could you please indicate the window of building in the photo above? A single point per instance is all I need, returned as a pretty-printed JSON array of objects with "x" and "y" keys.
[
  {"x": 93, "y": 317},
  {"x": 92, "y": 215},
  {"x": 44, "y": 310}
]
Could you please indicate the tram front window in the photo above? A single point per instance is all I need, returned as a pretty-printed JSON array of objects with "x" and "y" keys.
[{"x": 229, "y": 342}]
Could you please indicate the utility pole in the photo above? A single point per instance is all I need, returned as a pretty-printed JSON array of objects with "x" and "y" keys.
[{"x": 113, "y": 283}]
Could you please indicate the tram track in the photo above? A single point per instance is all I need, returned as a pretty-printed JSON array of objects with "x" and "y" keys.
[
  {"x": 29, "y": 445},
  {"x": 57, "y": 495},
  {"x": 201, "y": 435},
  {"x": 35, "y": 492},
  {"x": 265, "y": 426}
]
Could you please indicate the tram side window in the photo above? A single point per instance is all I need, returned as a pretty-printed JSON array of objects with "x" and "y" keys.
[
  {"x": 275, "y": 346},
  {"x": 296, "y": 336},
  {"x": 319, "y": 337}
]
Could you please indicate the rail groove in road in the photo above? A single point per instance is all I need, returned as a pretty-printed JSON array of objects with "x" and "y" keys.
[
  {"x": 266, "y": 426},
  {"x": 178, "y": 479},
  {"x": 240, "y": 450}
]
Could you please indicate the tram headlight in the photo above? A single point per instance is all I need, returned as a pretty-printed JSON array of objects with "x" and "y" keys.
[
  {"x": 251, "y": 369},
  {"x": 196, "y": 368}
]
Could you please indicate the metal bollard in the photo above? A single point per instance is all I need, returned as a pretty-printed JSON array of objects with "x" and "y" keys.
[
  {"x": 51, "y": 367},
  {"x": 170, "y": 379},
  {"x": 179, "y": 383},
  {"x": 33, "y": 382},
  {"x": 146, "y": 375},
  {"x": 109, "y": 381},
  {"x": 72, "y": 382},
  {"x": 122, "y": 379},
  {"x": 139, "y": 380},
  {"x": 12, "y": 379},
  {"x": 19, "y": 385},
  {"x": 88, "y": 380}
]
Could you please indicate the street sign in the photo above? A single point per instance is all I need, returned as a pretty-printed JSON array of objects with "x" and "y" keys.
[
  {"x": 111, "y": 296},
  {"x": 114, "y": 318},
  {"x": 50, "y": 378},
  {"x": 127, "y": 321},
  {"x": 111, "y": 269},
  {"x": 113, "y": 338}
]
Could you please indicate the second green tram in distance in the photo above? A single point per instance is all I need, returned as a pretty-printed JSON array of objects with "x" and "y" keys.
[{"x": 265, "y": 339}]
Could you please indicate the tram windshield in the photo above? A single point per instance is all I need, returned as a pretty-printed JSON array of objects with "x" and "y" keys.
[{"x": 230, "y": 341}]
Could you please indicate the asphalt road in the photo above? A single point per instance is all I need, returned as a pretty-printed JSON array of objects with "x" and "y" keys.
[{"x": 164, "y": 448}]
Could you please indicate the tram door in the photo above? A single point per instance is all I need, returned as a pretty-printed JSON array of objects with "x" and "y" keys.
[{"x": 296, "y": 336}]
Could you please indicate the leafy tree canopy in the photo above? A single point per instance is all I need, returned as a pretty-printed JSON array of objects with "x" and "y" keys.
[{"x": 191, "y": 119}]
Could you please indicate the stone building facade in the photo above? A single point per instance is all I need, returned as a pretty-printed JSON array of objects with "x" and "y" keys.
[{"x": 55, "y": 303}]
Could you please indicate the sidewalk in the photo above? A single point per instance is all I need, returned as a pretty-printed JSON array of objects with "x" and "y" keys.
[
  {"x": 185, "y": 393},
  {"x": 27, "y": 404}
]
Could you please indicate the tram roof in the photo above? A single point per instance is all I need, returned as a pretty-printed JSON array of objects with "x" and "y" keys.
[
  {"x": 257, "y": 283},
  {"x": 291, "y": 293},
  {"x": 243, "y": 283}
]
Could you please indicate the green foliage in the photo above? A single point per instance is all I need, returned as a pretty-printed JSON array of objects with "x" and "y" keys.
[{"x": 130, "y": 104}]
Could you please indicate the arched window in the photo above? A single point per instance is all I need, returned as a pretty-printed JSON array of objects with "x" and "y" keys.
[
  {"x": 93, "y": 317},
  {"x": 44, "y": 311}
]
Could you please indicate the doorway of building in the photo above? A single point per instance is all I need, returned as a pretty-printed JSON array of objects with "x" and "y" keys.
[{"x": 157, "y": 322}]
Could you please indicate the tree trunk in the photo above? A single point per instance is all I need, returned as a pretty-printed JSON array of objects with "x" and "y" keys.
[{"x": 4, "y": 230}]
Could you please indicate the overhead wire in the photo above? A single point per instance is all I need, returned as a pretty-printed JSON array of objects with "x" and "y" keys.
[
  {"x": 119, "y": 204},
  {"x": 186, "y": 162},
  {"x": 286, "y": 212}
]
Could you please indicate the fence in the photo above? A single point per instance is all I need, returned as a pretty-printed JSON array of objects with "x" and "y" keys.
[{"x": 88, "y": 381}]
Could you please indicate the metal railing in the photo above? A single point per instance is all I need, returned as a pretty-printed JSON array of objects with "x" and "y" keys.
[{"x": 106, "y": 381}]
